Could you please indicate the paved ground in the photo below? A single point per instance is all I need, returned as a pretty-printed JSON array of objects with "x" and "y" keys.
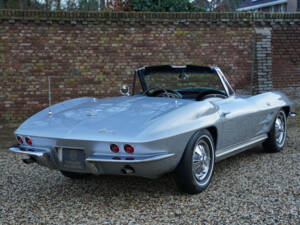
[{"x": 252, "y": 188}]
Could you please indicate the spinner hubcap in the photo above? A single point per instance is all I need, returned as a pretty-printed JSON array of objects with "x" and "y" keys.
[
  {"x": 201, "y": 160},
  {"x": 280, "y": 130}
]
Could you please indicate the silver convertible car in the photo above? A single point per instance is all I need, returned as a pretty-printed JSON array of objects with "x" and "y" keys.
[{"x": 179, "y": 119}]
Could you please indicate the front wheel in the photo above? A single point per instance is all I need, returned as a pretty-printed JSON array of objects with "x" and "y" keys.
[
  {"x": 277, "y": 134},
  {"x": 196, "y": 167}
]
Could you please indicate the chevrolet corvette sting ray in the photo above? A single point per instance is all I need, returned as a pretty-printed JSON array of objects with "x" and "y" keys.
[{"x": 179, "y": 119}]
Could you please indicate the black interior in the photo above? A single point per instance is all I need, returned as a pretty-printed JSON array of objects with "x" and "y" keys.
[
  {"x": 192, "y": 93},
  {"x": 161, "y": 92},
  {"x": 197, "y": 94}
]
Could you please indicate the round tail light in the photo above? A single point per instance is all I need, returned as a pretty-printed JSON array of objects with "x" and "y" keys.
[
  {"x": 28, "y": 140},
  {"x": 129, "y": 149},
  {"x": 114, "y": 148},
  {"x": 20, "y": 140}
]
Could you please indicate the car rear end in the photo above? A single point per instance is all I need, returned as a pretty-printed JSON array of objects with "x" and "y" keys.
[{"x": 146, "y": 159}]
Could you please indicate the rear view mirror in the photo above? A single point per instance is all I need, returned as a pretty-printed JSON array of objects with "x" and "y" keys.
[{"x": 124, "y": 90}]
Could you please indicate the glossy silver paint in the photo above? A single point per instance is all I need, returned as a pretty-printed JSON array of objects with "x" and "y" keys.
[{"x": 158, "y": 129}]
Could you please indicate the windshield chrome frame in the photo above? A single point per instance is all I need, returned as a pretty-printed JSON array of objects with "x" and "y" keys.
[
  {"x": 139, "y": 73},
  {"x": 227, "y": 86}
]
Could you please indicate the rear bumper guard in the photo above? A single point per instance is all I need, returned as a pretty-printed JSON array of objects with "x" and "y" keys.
[
  {"x": 43, "y": 157},
  {"x": 30, "y": 151},
  {"x": 38, "y": 155}
]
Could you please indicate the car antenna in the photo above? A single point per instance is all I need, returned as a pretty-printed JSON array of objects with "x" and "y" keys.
[{"x": 49, "y": 95}]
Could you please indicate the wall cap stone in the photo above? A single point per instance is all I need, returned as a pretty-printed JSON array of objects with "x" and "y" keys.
[{"x": 180, "y": 17}]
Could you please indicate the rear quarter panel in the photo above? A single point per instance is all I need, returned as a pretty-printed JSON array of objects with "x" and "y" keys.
[{"x": 267, "y": 106}]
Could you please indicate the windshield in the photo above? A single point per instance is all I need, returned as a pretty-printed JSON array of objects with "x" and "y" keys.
[{"x": 184, "y": 81}]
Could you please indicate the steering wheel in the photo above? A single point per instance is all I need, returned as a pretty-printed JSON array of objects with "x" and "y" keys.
[
  {"x": 161, "y": 92},
  {"x": 210, "y": 94}
]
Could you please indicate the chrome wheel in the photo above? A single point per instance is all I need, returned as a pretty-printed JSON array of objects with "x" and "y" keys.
[
  {"x": 280, "y": 129},
  {"x": 196, "y": 167},
  {"x": 202, "y": 158},
  {"x": 277, "y": 134}
]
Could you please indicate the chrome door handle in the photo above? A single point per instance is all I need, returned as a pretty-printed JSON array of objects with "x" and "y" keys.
[{"x": 224, "y": 114}]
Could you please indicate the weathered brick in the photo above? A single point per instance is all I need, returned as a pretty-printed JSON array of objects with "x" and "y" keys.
[{"x": 92, "y": 54}]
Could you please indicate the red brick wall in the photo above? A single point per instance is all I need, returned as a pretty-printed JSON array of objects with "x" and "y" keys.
[
  {"x": 286, "y": 60},
  {"x": 93, "y": 54}
]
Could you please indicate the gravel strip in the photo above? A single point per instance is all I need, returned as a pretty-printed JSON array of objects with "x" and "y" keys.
[{"x": 252, "y": 188}]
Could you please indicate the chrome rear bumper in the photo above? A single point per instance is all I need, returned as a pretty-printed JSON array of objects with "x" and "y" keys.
[
  {"x": 40, "y": 156},
  {"x": 144, "y": 165},
  {"x": 128, "y": 159},
  {"x": 30, "y": 151}
]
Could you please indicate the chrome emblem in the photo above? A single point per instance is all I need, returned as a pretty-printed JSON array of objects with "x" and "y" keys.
[{"x": 106, "y": 131}]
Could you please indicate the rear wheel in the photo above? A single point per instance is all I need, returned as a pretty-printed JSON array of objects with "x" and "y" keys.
[
  {"x": 277, "y": 134},
  {"x": 74, "y": 175},
  {"x": 196, "y": 167}
]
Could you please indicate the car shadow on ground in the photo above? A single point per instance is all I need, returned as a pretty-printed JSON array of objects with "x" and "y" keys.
[
  {"x": 105, "y": 185},
  {"x": 165, "y": 185}
]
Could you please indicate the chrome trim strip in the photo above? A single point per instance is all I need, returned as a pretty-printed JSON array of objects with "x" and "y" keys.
[
  {"x": 220, "y": 75},
  {"x": 128, "y": 159},
  {"x": 36, "y": 152},
  {"x": 68, "y": 147},
  {"x": 178, "y": 67},
  {"x": 224, "y": 82},
  {"x": 141, "y": 68},
  {"x": 240, "y": 148}
]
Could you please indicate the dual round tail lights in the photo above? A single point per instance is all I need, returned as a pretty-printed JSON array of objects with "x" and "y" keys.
[
  {"x": 27, "y": 140},
  {"x": 127, "y": 148},
  {"x": 114, "y": 148},
  {"x": 20, "y": 140}
]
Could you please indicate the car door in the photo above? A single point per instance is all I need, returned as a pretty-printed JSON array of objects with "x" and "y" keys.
[{"x": 238, "y": 121}]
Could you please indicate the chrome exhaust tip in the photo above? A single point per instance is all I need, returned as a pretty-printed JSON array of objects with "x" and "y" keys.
[
  {"x": 127, "y": 170},
  {"x": 29, "y": 160}
]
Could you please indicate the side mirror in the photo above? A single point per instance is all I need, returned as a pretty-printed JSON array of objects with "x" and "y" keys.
[{"x": 124, "y": 90}]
